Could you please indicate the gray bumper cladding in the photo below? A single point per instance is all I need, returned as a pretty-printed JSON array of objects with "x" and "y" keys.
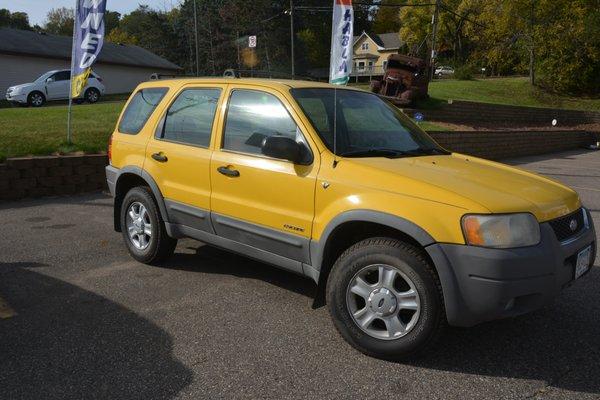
[
  {"x": 482, "y": 284},
  {"x": 112, "y": 174}
]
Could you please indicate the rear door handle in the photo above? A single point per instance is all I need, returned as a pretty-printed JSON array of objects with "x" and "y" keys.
[
  {"x": 229, "y": 172},
  {"x": 160, "y": 157}
]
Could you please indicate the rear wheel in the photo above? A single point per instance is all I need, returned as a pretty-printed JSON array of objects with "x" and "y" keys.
[
  {"x": 144, "y": 229},
  {"x": 36, "y": 99},
  {"x": 385, "y": 299},
  {"x": 92, "y": 95}
]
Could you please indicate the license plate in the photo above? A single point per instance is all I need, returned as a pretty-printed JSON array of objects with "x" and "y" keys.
[{"x": 584, "y": 259}]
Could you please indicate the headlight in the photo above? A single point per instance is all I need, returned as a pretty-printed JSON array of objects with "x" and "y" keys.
[{"x": 501, "y": 231}]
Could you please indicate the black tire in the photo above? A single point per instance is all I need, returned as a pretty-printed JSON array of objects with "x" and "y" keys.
[
  {"x": 160, "y": 246},
  {"x": 410, "y": 261},
  {"x": 92, "y": 95},
  {"x": 36, "y": 99}
]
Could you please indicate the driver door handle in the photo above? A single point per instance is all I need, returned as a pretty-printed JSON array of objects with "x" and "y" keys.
[
  {"x": 160, "y": 157},
  {"x": 234, "y": 173}
]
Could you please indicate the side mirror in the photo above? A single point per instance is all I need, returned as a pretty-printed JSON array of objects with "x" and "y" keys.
[
  {"x": 50, "y": 80},
  {"x": 284, "y": 148}
]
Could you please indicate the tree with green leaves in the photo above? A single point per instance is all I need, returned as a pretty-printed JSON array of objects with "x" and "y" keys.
[
  {"x": 16, "y": 20},
  {"x": 59, "y": 21},
  {"x": 387, "y": 19}
]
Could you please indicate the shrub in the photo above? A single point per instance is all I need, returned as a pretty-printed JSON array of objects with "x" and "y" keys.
[{"x": 463, "y": 73}]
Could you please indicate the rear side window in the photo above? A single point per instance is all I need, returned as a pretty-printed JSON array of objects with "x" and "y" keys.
[
  {"x": 190, "y": 117},
  {"x": 139, "y": 109}
]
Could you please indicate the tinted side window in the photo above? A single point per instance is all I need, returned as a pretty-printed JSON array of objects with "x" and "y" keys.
[
  {"x": 139, "y": 109},
  {"x": 190, "y": 118},
  {"x": 251, "y": 117},
  {"x": 62, "y": 76}
]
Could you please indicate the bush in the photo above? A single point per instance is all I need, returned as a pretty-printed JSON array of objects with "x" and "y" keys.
[{"x": 463, "y": 73}]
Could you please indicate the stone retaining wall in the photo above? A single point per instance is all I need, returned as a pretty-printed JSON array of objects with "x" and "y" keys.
[
  {"x": 64, "y": 175},
  {"x": 52, "y": 175},
  {"x": 490, "y": 115},
  {"x": 495, "y": 145}
]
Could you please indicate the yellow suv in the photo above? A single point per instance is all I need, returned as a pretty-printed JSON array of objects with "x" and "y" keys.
[{"x": 401, "y": 236}]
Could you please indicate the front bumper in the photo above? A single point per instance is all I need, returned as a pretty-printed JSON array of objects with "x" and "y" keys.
[
  {"x": 16, "y": 98},
  {"x": 482, "y": 284}
]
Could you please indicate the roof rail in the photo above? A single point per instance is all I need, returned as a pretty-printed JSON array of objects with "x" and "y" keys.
[
  {"x": 156, "y": 76},
  {"x": 252, "y": 73}
]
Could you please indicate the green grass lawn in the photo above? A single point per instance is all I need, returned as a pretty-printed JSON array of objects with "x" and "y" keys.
[
  {"x": 42, "y": 131},
  {"x": 510, "y": 91}
]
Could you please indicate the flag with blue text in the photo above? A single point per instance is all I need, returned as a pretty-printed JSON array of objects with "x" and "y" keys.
[
  {"x": 87, "y": 41},
  {"x": 341, "y": 42}
]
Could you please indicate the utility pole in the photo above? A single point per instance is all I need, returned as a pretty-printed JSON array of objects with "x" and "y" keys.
[
  {"x": 532, "y": 45},
  {"x": 434, "y": 22},
  {"x": 196, "y": 37},
  {"x": 292, "y": 36}
]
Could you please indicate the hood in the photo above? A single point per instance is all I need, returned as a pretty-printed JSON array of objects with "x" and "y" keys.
[
  {"x": 21, "y": 86},
  {"x": 494, "y": 186}
]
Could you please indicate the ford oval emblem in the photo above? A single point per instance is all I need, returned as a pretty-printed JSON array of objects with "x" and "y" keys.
[{"x": 573, "y": 225}]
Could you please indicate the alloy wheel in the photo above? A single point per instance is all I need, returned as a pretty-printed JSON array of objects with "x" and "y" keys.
[
  {"x": 383, "y": 301},
  {"x": 37, "y": 99},
  {"x": 139, "y": 226}
]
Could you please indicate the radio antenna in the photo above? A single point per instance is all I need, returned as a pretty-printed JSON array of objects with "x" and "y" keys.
[{"x": 335, "y": 159}]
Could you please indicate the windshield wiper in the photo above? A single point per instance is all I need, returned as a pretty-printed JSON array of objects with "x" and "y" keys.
[
  {"x": 373, "y": 152},
  {"x": 392, "y": 153},
  {"x": 429, "y": 151}
]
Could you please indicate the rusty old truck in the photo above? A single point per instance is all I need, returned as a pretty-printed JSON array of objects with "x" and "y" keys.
[{"x": 404, "y": 80}]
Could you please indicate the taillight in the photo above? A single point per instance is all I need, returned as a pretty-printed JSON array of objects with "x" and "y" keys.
[{"x": 110, "y": 149}]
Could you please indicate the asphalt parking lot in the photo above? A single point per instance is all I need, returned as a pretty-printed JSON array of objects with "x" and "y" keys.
[{"x": 80, "y": 319}]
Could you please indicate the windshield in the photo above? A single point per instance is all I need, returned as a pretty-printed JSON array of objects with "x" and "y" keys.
[
  {"x": 45, "y": 76},
  {"x": 365, "y": 124}
]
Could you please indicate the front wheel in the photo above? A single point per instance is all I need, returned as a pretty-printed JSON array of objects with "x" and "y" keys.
[
  {"x": 36, "y": 99},
  {"x": 144, "y": 229},
  {"x": 385, "y": 299}
]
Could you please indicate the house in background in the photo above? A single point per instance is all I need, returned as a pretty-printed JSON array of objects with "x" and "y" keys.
[
  {"x": 370, "y": 52},
  {"x": 25, "y": 55}
]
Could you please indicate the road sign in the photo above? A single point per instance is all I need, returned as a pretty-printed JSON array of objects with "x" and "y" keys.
[{"x": 252, "y": 41}]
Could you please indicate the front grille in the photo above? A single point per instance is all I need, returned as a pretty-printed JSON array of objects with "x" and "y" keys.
[{"x": 563, "y": 226}]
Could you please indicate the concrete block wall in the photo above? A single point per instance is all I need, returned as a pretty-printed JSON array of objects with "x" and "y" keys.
[
  {"x": 497, "y": 145},
  {"x": 490, "y": 115},
  {"x": 52, "y": 175},
  {"x": 65, "y": 175}
]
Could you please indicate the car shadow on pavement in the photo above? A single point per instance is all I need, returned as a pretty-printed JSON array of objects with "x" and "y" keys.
[
  {"x": 66, "y": 342},
  {"x": 212, "y": 260},
  {"x": 559, "y": 344}
]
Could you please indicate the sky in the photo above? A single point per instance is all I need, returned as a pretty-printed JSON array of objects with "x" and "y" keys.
[{"x": 37, "y": 9}]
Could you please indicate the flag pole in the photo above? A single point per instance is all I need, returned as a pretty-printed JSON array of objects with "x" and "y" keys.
[{"x": 69, "y": 140}]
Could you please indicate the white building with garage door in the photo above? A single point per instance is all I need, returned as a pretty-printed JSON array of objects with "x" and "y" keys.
[{"x": 25, "y": 55}]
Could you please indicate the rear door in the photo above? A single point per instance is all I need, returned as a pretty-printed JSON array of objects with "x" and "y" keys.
[{"x": 178, "y": 155}]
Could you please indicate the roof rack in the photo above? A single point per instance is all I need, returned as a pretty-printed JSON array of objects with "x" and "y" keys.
[
  {"x": 156, "y": 76},
  {"x": 252, "y": 73}
]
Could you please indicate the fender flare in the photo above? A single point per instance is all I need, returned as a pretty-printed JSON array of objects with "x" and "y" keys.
[
  {"x": 158, "y": 196},
  {"x": 317, "y": 249}
]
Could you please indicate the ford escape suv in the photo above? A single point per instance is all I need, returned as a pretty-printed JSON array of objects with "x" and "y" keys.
[{"x": 401, "y": 236}]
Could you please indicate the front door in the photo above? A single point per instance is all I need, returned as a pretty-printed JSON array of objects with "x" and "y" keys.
[
  {"x": 178, "y": 155},
  {"x": 58, "y": 85},
  {"x": 263, "y": 202}
]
